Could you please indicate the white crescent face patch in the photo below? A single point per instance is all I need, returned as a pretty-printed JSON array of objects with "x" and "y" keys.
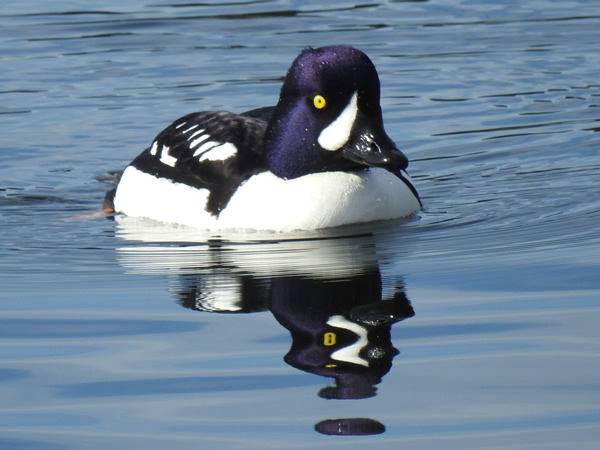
[{"x": 337, "y": 133}]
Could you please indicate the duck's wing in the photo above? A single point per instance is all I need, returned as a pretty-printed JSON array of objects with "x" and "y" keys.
[
  {"x": 265, "y": 113},
  {"x": 215, "y": 150}
]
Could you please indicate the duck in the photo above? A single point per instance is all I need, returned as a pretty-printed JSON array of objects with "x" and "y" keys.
[{"x": 319, "y": 158}]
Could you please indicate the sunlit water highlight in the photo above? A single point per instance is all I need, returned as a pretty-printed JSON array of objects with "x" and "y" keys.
[{"x": 120, "y": 333}]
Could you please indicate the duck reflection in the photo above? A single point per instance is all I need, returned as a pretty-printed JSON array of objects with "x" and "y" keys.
[
  {"x": 340, "y": 328},
  {"x": 328, "y": 293}
]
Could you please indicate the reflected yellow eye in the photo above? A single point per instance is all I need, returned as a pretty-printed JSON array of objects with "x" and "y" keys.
[{"x": 319, "y": 101}]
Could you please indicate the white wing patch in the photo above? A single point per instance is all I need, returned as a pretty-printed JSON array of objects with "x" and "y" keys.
[
  {"x": 165, "y": 158},
  {"x": 337, "y": 132},
  {"x": 205, "y": 149},
  {"x": 197, "y": 138},
  {"x": 187, "y": 130},
  {"x": 219, "y": 153}
]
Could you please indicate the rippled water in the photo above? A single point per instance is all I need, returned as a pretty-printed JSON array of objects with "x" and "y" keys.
[{"x": 473, "y": 326}]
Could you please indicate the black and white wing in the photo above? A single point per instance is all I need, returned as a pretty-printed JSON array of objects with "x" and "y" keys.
[{"x": 216, "y": 151}]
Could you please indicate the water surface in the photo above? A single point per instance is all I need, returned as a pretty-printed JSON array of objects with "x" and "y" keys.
[{"x": 473, "y": 325}]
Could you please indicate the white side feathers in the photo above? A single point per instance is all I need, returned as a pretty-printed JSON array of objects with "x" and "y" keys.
[
  {"x": 267, "y": 202},
  {"x": 338, "y": 132}
]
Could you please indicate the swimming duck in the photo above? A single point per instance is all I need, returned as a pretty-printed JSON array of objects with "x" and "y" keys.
[{"x": 319, "y": 158}]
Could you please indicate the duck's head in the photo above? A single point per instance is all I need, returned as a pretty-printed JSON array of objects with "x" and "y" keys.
[{"x": 328, "y": 117}]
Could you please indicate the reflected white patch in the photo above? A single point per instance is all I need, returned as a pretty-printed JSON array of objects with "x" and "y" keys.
[
  {"x": 337, "y": 133},
  {"x": 167, "y": 159},
  {"x": 219, "y": 153},
  {"x": 219, "y": 295},
  {"x": 351, "y": 352}
]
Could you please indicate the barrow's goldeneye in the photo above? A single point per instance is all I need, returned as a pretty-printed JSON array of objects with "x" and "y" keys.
[{"x": 319, "y": 158}]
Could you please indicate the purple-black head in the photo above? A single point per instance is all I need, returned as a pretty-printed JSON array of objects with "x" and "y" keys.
[{"x": 328, "y": 117}]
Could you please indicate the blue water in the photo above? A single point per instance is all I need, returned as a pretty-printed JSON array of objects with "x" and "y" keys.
[{"x": 480, "y": 316}]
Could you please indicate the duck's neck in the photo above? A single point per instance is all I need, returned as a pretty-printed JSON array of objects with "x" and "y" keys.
[{"x": 291, "y": 146}]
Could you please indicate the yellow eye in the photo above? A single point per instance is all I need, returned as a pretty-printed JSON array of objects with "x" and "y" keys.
[{"x": 319, "y": 101}]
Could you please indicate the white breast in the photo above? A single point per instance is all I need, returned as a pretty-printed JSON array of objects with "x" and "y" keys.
[{"x": 266, "y": 202}]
